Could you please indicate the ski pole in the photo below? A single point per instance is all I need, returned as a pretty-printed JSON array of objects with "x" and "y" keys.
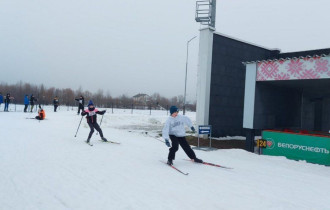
[
  {"x": 78, "y": 126},
  {"x": 100, "y": 124},
  {"x": 101, "y": 120}
]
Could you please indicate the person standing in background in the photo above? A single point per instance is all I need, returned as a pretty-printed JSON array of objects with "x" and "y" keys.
[
  {"x": 1, "y": 99},
  {"x": 7, "y": 101},
  {"x": 26, "y": 102},
  {"x": 32, "y": 100},
  {"x": 55, "y": 102},
  {"x": 81, "y": 104}
]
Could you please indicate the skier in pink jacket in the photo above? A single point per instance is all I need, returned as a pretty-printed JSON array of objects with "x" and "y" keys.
[{"x": 91, "y": 112}]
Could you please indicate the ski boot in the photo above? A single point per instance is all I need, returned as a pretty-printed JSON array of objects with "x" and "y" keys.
[
  {"x": 169, "y": 162},
  {"x": 104, "y": 139},
  {"x": 88, "y": 142},
  {"x": 196, "y": 160}
]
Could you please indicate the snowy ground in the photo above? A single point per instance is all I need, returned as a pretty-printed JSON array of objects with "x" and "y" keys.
[{"x": 43, "y": 166}]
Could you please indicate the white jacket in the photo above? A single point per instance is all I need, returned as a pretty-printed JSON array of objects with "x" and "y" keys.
[{"x": 175, "y": 126}]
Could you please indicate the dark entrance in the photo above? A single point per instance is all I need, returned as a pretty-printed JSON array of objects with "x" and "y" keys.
[{"x": 293, "y": 104}]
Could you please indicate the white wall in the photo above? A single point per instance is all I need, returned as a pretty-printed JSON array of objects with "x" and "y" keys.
[
  {"x": 204, "y": 75},
  {"x": 249, "y": 95}
]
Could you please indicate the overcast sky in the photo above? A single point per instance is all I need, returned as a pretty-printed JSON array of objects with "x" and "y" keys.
[{"x": 130, "y": 47}]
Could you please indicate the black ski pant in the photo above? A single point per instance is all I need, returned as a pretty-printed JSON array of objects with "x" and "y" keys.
[
  {"x": 6, "y": 106},
  {"x": 80, "y": 107},
  {"x": 97, "y": 127},
  {"x": 175, "y": 147},
  {"x": 25, "y": 107},
  {"x": 55, "y": 108}
]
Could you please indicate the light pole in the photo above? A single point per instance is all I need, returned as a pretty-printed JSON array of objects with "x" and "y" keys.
[{"x": 185, "y": 84}]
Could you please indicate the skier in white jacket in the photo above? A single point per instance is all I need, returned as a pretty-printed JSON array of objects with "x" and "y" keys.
[{"x": 174, "y": 129}]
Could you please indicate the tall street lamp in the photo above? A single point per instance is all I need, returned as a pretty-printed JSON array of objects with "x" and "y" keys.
[{"x": 185, "y": 84}]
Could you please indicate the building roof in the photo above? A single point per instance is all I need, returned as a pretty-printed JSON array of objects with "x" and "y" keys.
[
  {"x": 295, "y": 56},
  {"x": 140, "y": 95},
  {"x": 250, "y": 43}
]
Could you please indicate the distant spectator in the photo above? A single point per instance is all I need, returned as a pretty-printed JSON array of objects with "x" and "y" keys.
[
  {"x": 26, "y": 102},
  {"x": 32, "y": 100},
  {"x": 7, "y": 101},
  {"x": 1, "y": 99},
  {"x": 55, "y": 102},
  {"x": 81, "y": 104}
]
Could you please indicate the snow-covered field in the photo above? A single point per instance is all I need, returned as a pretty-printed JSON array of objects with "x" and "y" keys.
[{"x": 43, "y": 166}]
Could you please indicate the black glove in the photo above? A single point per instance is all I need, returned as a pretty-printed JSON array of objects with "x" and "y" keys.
[
  {"x": 167, "y": 143},
  {"x": 193, "y": 129}
]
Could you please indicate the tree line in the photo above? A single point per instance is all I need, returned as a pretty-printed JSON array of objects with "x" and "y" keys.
[{"x": 67, "y": 96}]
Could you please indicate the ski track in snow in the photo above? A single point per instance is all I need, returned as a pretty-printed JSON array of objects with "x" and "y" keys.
[{"x": 43, "y": 166}]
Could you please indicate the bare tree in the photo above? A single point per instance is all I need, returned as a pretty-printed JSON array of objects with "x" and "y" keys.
[{"x": 67, "y": 96}]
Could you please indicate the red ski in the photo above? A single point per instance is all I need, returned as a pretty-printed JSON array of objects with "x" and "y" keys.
[
  {"x": 112, "y": 142},
  {"x": 211, "y": 164},
  {"x": 174, "y": 168}
]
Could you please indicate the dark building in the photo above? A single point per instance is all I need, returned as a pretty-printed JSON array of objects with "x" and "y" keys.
[
  {"x": 228, "y": 81},
  {"x": 301, "y": 103}
]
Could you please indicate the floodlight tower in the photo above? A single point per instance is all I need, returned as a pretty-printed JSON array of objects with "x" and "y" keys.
[{"x": 205, "y": 14}]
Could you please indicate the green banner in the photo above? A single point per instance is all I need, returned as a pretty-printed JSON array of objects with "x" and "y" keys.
[{"x": 313, "y": 149}]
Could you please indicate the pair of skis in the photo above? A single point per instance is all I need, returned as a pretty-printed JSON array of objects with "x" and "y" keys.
[
  {"x": 205, "y": 163},
  {"x": 112, "y": 142}
]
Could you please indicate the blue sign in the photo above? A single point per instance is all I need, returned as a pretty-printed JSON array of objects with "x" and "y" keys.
[{"x": 204, "y": 129}]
